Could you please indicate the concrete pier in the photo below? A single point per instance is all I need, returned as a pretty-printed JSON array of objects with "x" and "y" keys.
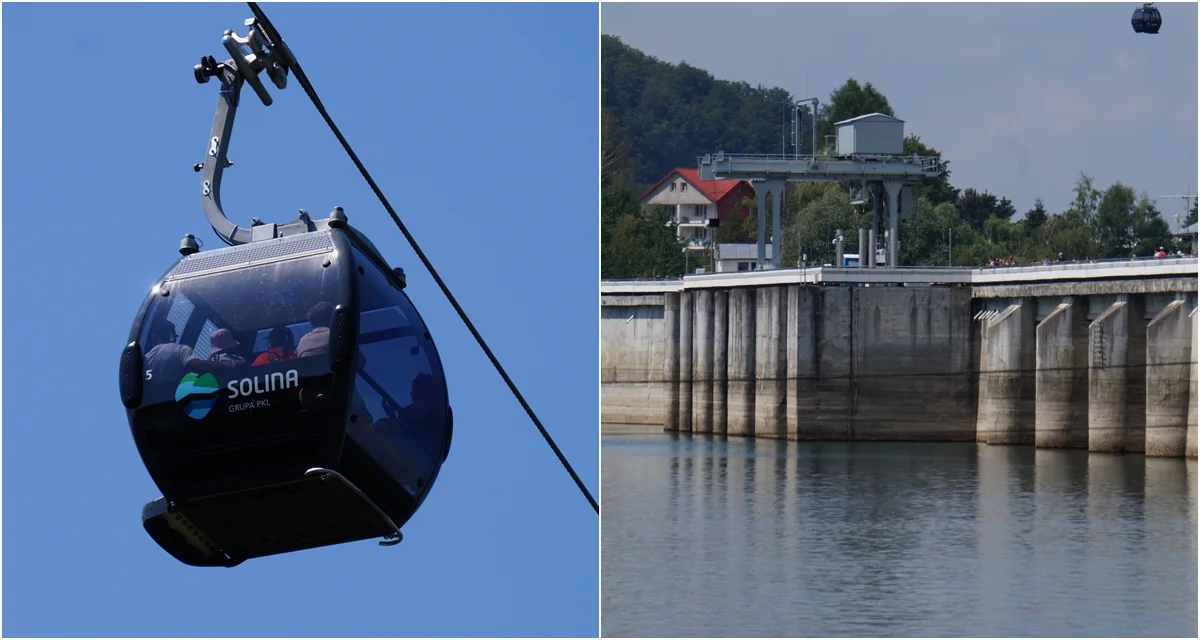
[
  {"x": 740, "y": 381},
  {"x": 832, "y": 415},
  {"x": 720, "y": 358},
  {"x": 1193, "y": 390},
  {"x": 770, "y": 360},
  {"x": 1061, "y": 412},
  {"x": 1135, "y": 394},
  {"x": 1117, "y": 379},
  {"x": 702, "y": 362},
  {"x": 671, "y": 320},
  {"x": 1168, "y": 376},
  {"x": 1007, "y": 378},
  {"x": 685, "y": 360},
  {"x": 802, "y": 394}
]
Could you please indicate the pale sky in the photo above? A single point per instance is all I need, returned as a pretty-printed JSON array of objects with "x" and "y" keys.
[{"x": 1019, "y": 97}]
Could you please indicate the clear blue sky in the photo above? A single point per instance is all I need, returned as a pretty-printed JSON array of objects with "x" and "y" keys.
[
  {"x": 480, "y": 124},
  {"x": 1018, "y": 97}
]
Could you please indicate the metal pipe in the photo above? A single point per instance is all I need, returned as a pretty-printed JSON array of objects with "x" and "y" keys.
[
  {"x": 868, "y": 257},
  {"x": 776, "y": 214},
  {"x": 797, "y": 123},
  {"x": 762, "y": 222}
]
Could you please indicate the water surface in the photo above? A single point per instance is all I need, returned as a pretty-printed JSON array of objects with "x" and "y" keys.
[{"x": 707, "y": 537}]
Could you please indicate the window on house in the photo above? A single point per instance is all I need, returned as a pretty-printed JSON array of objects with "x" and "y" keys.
[
  {"x": 683, "y": 186},
  {"x": 743, "y": 266},
  {"x": 702, "y": 211},
  {"x": 672, "y": 186}
]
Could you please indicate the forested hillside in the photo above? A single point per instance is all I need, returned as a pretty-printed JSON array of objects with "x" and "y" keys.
[
  {"x": 657, "y": 116},
  {"x": 673, "y": 113}
]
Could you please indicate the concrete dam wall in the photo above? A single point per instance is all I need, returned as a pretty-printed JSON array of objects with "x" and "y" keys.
[
  {"x": 795, "y": 361},
  {"x": 1111, "y": 372},
  {"x": 633, "y": 359}
]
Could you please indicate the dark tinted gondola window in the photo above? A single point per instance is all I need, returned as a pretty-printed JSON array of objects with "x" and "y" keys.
[
  {"x": 203, "y": 347},
  {"x": 245, "y": 305},
  {"x": 400, "y": 386}
]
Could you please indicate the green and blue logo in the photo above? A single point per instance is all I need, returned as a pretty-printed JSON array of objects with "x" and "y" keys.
[{"x": 200, "y": 392}]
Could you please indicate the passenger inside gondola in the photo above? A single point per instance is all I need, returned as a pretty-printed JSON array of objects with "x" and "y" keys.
[
  {"x": 281, "y": 345},
  {"x": 168, "y": 360},
  {"x": 419, "y": 415},
  {"x": 224, "y": 348},
  {"x": 316, "y": 342}
]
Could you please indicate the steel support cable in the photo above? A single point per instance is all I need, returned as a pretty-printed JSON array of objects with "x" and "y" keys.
[{"x": 273, "y": 34}]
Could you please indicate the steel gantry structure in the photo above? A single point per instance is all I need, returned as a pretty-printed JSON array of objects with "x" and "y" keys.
[{"x": 869, "y": 155}]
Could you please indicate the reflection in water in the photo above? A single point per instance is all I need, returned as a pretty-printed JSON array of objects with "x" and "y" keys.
[{"x": 706, "y": 537}]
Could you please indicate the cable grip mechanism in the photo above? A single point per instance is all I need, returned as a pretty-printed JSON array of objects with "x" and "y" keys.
[{"x": 250, "y": 56}]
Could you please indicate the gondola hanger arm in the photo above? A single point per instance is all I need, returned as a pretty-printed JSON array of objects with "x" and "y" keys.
[{"x": 249, "y": 57}]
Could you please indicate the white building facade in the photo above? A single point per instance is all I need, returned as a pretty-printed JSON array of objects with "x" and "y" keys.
[
  {"x": 739, "y": 256},
  {"x": 694, "y": 213}
]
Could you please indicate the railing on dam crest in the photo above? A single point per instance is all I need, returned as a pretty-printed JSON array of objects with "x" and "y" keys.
[{"x": 1147, "y": 268}]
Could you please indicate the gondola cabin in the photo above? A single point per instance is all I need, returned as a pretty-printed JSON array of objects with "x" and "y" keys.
[
  {"x": 1146, "y": 19},
  {"x": 283, "y": 394}
]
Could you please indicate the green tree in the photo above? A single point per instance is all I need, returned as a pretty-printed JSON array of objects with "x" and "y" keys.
[
  {"x": 938, "y": 189},
  {"x": 851, "y": 100},
  {"x": 634, "y": 244},
  {"x": 672, "y": 114},
  {"x": 976, "y": 207},
  {"x": 1129, "y": 225},
  {"x": 622, "y": 256},
  {"x": 664, "y": 251},
  {"x": 615, "y": 152},
  {"x": 1069, "y": 233},
  {"x": 1087, "y": 197},
  {"x": 826, "y": 209},
  {"x": 1005, "y": 239},
  {"x": 928, "y": 237},
  {"x": 1036, "y": 217},
  {"x": 620, "y": 239},
  {"x": 1151, "y": 229},
  {"x": 1114, "y": 221}
]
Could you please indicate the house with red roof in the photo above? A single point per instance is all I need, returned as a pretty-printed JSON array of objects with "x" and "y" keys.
[{"x": 698, "y": 206}]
